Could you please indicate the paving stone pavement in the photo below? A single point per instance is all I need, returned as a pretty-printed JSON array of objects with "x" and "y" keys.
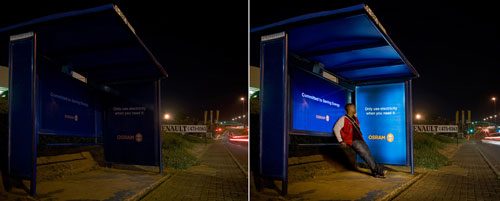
[
  {"x": 217, "y": 177},
  {"x": 467, "y": 178}
]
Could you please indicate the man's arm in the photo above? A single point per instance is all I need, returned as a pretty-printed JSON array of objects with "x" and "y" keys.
[{"x": 338, "y": 126}]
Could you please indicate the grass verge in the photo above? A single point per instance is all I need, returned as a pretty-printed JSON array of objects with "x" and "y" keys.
[
  {"x": 427, "y": 146},
  {"x": 176, "y": 150}
]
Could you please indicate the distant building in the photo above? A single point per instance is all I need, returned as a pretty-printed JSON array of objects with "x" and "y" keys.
[{"x": 254, "y": 80}]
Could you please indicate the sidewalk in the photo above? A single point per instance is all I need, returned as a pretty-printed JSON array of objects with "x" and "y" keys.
[
  {"x": 216, "y": 177},
  {"x": 468, "y": 178},
  {"x": 326, "y": 181},
  {"x": 82, "y": 179}
]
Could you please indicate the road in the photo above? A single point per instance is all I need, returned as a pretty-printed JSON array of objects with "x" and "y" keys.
[
  {"x": 238, "y": 149},
  {"x": 491, "y": 148}
]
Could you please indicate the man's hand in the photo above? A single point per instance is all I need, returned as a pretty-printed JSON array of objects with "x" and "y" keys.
[{"x": 343, "y": 144}]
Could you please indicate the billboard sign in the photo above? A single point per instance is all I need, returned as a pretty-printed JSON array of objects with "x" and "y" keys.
[
  {"x": 435, "y": 128},
  {"x": 316, "y": 103},
  {"x": 184, "y": 128},
  {"x": 381, "y": 111}
]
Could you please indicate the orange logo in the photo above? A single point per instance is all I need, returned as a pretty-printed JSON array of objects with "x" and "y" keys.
[
  {"x": 390, "y": 137},
  {"x": 138, "y": 137}
]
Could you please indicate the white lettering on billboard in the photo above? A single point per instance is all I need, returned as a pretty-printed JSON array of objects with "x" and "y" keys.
[
  {"x": 184, "y": 128},
  {"x": 435, "y": 128}
]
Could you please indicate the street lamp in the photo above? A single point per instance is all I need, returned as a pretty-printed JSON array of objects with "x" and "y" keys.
[
  {"x": 166, "y": 116},
  {"x": 495, "y": 109},
  {"x": 418, "y": 116},
  {"x": 242, "y": 99}
]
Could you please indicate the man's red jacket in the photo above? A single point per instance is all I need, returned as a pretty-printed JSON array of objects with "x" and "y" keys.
[{"x": 345, "y": 131}]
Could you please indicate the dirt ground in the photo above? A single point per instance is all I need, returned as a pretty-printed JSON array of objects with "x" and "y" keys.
[{"x": 450, "y": 149}]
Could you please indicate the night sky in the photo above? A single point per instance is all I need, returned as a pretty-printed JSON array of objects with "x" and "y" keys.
[
  {"x": 453, "y": 45},
  {"x": 202, "y": 47}
]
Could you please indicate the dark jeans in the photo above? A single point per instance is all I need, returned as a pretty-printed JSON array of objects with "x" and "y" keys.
[{"x": 361, "y": 148}]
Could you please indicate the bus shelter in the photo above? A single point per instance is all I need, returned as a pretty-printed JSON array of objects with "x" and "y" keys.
[
  {"x": 311, "y": 66},
  {"x": 87, "y": 74}
]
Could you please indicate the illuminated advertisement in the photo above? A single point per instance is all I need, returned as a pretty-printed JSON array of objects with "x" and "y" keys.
[
  {"x": 381, "y": 112},
  {"x": 316, "y": 103}
]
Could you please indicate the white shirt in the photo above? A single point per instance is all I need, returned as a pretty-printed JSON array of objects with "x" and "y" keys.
[{"x": 338, "y": 126}]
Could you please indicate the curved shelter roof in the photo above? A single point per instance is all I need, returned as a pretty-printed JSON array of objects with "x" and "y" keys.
[
  {"x": 98, "y": 43},
  {"x": 350, "y": 42}
]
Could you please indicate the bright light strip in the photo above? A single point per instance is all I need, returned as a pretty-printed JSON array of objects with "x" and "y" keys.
[
  {"x": 239, "y": 136},
  {"x": 235, "y": 127},
  {"x": 238, "y": 140},
  {"x": 491, "y": 142}
]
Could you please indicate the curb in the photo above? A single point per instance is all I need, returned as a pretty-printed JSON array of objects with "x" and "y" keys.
[
  {"x": 141, "y": 194},
  {"x": 236, "y": 161},
  {"x": 394, "y": 193},
  {"x": 489, "y": 163}
]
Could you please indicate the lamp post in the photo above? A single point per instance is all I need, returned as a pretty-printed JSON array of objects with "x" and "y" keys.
[
  {"x": 495, "y": 109},
  {"x": 243, "y": 107},
  {"x": 166, "y": 117}
]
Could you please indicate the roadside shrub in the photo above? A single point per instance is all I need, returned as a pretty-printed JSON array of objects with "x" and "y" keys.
[
  {"x": 175, "y": 151},
  {"x": 426, "y": 148}
]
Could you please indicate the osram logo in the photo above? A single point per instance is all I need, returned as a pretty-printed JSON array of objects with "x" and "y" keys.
[
  {"x": 137, "y": 137},
  {"x": 72, "y": 117},
  {"x": 389, "y": 137},
  {"x": 326, "y": 118},
  {"x": 376, "y": 137}
]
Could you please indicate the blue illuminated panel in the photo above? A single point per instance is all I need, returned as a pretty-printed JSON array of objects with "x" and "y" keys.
[
  {"x": 381, "y": 112},
  {"x": 316, "y": 104}
]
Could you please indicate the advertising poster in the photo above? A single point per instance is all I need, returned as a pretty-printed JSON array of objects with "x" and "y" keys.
[
  {"x": 131, "y": 130},
  {"x": 316, "y": 103},
  {"x": 66, "y": 104},
  {"x": 381, "y": 112}
]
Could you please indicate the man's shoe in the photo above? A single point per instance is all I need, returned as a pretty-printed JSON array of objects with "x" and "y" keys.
[{"x": 383, "y": 175}]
